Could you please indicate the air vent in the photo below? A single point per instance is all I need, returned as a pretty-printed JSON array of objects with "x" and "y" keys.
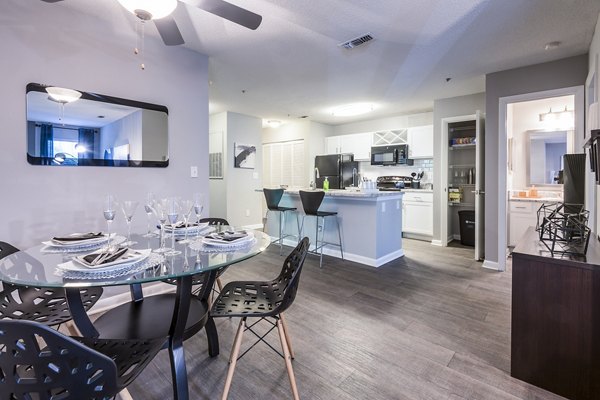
[
  {"x": 303, "y": 116},
  {"x": 352, "y": 43}
]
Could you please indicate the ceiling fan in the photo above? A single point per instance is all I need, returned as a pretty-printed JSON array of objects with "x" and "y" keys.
[{"x": 159, "y": 11}]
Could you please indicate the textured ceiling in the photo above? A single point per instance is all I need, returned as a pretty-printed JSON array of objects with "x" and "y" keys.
[{"x": 291, "y": 65}]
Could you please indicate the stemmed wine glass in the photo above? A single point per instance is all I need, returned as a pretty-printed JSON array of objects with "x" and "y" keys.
[
  {"x": 198, "y": 208},
  {"x": 129, "y": 208},
  {"x": 148, "y": 207},
  {"x": 173, "y": 210},
  {"x": 187, "y": 206},
  {"x": 160, "y": 211},
  {"x": 109, "y": 209}
]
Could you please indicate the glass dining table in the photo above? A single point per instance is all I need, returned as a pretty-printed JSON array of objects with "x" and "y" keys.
[{"x": 38, "y": 266}]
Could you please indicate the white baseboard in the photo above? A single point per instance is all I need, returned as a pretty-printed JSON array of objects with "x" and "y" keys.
[
  {"x": 436, "y": 243},
  {"x": 254, "y": 226},
  {"x": 108, "y": 302},
  {"x": 490, "y": 265}
]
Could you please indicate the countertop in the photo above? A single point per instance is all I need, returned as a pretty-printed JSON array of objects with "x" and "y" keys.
[
  {"x": 537, "y": 199},
  {"x": 349, "y": 193}
]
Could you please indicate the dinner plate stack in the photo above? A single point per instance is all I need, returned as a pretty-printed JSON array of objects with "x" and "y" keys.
[
  {"x": 224, "y": 241},
  {"x": 80, "y": 242},
  {"x": 192, "y": 229}
]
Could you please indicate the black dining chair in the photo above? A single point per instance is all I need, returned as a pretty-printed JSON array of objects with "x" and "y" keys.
[
  {"x": 266, "y": 301},
  {"x": 311, "y": 201},
  {"x": 273, "y": 198},
  {"x": 37, "y": 362},
  {"x": 45, "y": 305}
]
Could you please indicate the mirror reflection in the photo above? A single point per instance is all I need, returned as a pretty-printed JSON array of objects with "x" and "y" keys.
[
  {"x": 68, "y": 129},
  {"x": 546, "y": 150}
]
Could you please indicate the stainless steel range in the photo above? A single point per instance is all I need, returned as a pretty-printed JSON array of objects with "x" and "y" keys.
[{"x": 394, "y": 183}]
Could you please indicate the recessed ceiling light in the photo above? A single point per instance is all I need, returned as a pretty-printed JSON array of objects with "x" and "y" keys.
[
  {"x": 349, "y": 110},
  {"x": 552, "y": 45}
]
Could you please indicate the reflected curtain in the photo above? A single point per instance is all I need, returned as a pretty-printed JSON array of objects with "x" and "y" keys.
[
  {"x": 46, "y": 142},
  {"x": 86, "y": 139}
]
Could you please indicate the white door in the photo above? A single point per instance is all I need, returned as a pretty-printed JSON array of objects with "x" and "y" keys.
[{"x": 479, "y": 185}]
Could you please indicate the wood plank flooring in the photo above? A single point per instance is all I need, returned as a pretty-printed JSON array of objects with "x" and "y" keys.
[{"x": 432, "y": 325}]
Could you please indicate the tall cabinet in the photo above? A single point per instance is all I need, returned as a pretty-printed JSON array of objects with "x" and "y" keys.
[{"x": 463, "y": 190}]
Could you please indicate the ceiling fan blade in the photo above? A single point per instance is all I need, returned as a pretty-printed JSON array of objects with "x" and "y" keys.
[
  {"x": 230, "y": 12},
  {"x": 169, "y": 32},
  {"x": 51, "y": 1}
]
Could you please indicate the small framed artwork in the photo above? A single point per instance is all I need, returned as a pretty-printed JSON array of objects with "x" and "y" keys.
[{"x": 244, "y": 155}]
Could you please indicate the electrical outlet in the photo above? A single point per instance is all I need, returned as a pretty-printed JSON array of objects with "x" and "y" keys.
[
  {"x": 193, "y": 171},
  {"x": 247, "y": 213}
]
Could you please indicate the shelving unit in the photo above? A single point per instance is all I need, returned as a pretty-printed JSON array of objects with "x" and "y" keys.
[{"x": 461, "y": 170}]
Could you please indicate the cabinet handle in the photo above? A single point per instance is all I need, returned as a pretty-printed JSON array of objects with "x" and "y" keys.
[{"x": 520, "y": 207}]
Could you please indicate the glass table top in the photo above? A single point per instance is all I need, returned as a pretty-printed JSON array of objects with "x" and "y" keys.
[{"x": 37, "y": 266}]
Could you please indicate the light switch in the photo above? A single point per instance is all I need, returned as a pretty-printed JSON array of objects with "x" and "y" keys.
[{"x": 193, "y": 171}]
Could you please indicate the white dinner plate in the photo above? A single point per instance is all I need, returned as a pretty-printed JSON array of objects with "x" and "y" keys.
[{"x": 132, "y": 256}]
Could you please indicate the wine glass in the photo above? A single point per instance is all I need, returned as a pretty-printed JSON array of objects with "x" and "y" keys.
[
  {"x": 187, "y": 206},
  {"x": 129, "y": 208},
  {"x": 160, "y": 211},
  {"x": 148, "y": 207},
  {"x": 109, "y": 208},
  {"x": 173, "y": 211},
  {"x": 198, "y": 208}
]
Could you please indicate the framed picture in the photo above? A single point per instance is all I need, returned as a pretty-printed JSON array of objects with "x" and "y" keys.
[{"x": 244, "y": 155}]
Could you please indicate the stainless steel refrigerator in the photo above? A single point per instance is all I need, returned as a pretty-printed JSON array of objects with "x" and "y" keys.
[{"x": 340, "y": 170}]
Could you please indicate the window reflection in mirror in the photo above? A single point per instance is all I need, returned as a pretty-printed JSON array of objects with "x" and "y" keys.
[
  {"x": 546, "y": 150},
  {"x": 95, "y": 130}
]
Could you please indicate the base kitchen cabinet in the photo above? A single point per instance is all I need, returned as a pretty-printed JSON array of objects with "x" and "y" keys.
[{"x": 417, "y": 213}]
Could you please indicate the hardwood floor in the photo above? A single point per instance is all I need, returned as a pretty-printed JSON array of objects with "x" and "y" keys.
[{"x": 432, "y": 325}]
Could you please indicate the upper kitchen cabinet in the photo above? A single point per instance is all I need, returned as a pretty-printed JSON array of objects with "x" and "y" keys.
[
  {"x": 420, "y": 142},
  {"x": 358, "y": 144}
]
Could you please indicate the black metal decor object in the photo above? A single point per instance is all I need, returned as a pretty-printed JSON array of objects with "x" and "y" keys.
[{"x": 563, "y": 229}]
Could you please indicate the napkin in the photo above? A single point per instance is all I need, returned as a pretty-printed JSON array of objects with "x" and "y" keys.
[
  {"x": 229, "y": 236},
  {"x": 78, "y": 237},
  {"x": 104, "y": 257}
]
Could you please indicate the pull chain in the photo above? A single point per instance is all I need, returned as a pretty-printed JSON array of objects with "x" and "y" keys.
[{"x": 140, "y": 33}]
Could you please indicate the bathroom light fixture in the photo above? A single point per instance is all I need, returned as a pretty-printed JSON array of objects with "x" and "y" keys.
[
  {"x": 273, "y": 123},
  {"x": 566, "y": 115},
  {"x": 349, "y": 110},
  {"x": 149, "y": 9}
]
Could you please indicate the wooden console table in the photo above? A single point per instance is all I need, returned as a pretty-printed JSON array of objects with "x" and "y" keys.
[{"x": 556, "y": 319}]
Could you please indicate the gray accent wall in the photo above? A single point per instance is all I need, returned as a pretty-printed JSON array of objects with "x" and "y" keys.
[
  {"x": 558, "y": 74},
  {"x": 38, "y": 202}
]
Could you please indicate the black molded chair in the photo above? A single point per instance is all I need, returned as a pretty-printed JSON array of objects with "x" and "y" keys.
[
  {"x": 273, "y": 198},
  {"x": 37, "y": 362},
  {"x": 45, "y": 305},
  {"x": 311, "y": 201},
  {"x": 264, "y": 300}
]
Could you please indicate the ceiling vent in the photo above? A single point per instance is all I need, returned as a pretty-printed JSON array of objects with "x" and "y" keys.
[{"x": 352, "y": 43}]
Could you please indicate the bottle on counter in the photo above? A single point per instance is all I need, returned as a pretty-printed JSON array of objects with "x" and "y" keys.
[{"x": 326, "y": 184}]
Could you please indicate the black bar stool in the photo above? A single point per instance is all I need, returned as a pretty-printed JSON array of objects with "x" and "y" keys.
[
  {"x": 311, "y": 201},
  {"x": 273, "y": 197}
]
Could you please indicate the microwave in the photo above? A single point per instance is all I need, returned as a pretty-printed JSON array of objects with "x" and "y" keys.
[{"x": 389, "y": 155}]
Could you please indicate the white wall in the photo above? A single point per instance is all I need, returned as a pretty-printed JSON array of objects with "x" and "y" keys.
[{"x": 65, "y": 48}]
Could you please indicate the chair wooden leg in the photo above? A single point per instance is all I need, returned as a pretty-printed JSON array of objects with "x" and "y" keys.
[
  {"x": 73, "y": 331},
  {"x": 288, "y": 339},
  {"x": 124, "y": 395},
  {"x": 235, "y": 351},
  {"x": 219, "y": 284},
  {"x": 288, "y": 360}
]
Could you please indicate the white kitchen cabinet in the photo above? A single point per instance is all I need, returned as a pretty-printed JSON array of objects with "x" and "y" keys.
[
  {"x": 417, "y": 213},
  {"x": 420, "y": 142},
  {"x": 358, "y": 144},
  {"x": 522, "y": 215}
]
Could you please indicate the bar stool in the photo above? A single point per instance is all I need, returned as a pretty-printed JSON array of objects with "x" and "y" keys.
[
  {"x": 311, "y": 201},
  {"x": 273, "y": 197}
]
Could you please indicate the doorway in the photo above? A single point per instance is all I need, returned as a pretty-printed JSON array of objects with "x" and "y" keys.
[{"x": 531, "y": 125}]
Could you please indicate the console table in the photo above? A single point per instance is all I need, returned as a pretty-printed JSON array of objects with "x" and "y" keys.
[{"x": 556, "y": 319}]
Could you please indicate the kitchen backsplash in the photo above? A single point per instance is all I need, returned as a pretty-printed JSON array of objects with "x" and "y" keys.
[{"x": 373, "y": 171}]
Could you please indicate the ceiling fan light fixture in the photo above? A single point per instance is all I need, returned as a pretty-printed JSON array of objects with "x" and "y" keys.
[
  {"x": 63, "y": 95},
  {"x": 350, "y": 110},
  {"x": 149, "y": 9}
]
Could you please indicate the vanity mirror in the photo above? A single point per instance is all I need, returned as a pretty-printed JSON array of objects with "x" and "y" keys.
[
  {"x": 545, "y": 150},
  {"x": 68, "y": 127}
]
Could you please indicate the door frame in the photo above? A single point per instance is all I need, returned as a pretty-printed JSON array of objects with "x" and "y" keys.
[
  {"x": 503, "y": 102},
  {"x": 444, "y": 174}
]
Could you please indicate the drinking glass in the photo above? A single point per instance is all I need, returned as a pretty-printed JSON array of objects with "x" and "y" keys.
[
  {"x": 109, "y": 208},
  {"x": 129, "y": 208},
  {"x": 160, "y": 211},
  {"x": 173, "y": 211},
  {"x": 187, "y": 206},
  {"x": 198, "y": 208},
  {"x": 148, "y": 207}
]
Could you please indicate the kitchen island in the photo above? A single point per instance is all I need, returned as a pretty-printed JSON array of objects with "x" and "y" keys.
[{"x": 370, "y": 224}]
